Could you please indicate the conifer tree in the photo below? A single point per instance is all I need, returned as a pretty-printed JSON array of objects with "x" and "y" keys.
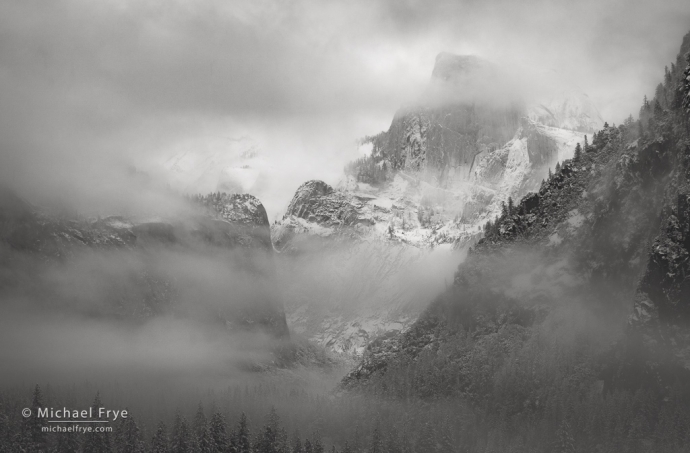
[
  {"x": 297, "y": 443},
  {"x": 393, "y": 442},
  {"x": 578, "y": 150},
  {"x": 199, "y": 420},
  {"x": 66, "y": 443},
  {"x": 242, "y": 444},
  {"x": 267, "y": 441},
  {"x": 97, "y": 442},
  {"x": 181, "y": 437},
  {"x": 128, "y": 437},
  {"x": 205, "y": 442},
  {"x": 426, "y": 442},
  {"x": 558, "y": 167},
  {"x": 657, "y": 108},
  {"x": 219, "y": 433},
  {"x": 685, "y": 87},
  {"x": 564, "y": 439},
  {"x": 376, "y": 443},
  {"x": 159, "y": 443},
  {"x": 317, "y": 447},
  {"x": 33, "y": 423},
  {"x": 511, "y": 206}
]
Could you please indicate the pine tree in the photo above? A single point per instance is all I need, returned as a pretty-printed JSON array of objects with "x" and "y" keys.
[
  {"x": 356, "y": 439},
  {"x": 219, "y": 432},
  {"x": 33, "y": 423},
  {"x": 586, "y": 147},
  {"x": 376, "y": 443},
  {"x": 657, "y": 108},
  {"x": 199, "y": 420},
  {"x": 317, "y": 447},
  {"x": 267, "y": 441},
  {"x": 297, "y": 443},
  {"x": 66, "y": 443},
  {"x": 564, "y": 439},
  {"x": 241, "y": 442},
  {"x": 128, "y": 438},
  {"x": 629, "y": 121},
  {"x": 685, "y": 87},
  {"x": 511, "y": 206},
  {"x": 205, "y": 442},
  {"x": 426, "y": 442},
  {"x": 181, "y": 437},
  {"x": 578, "y": 151},
  {"x": 97, "y": 442},
  {"x": 393, "y": 442},
  {"x": 159, "y": 443},
  {"x": 558, "y": 167}
]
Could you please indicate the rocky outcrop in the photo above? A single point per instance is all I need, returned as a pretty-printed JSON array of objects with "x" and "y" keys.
[
  {"x": 318, "y": 211},
  {"x": 234, "y": 220},
  {"x": 316, "y": 201}
]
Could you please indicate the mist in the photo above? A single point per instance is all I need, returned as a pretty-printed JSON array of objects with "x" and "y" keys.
[
  {"x": 87, "y": 88},
  {"x": 98, "y": 97}
]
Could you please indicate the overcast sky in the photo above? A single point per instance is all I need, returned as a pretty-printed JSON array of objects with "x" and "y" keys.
[{"x": 84, "y": 84}]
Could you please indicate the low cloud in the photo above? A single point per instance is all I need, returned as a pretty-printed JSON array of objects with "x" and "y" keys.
[{"x": 87, "y": 88}]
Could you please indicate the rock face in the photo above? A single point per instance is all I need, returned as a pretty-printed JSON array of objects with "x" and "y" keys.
[
  {"x": 316, "y": 201},
  {"x": 441, "y": 171},
  {"x": 474, "y": 135},
  {"x": 240, "y": 219},
  {"x": 233, "y": 229},
  {"x": 589, "y": 273}
]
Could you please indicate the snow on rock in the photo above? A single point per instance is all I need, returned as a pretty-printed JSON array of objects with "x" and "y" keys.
[{"x": 451, "y": 161}]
